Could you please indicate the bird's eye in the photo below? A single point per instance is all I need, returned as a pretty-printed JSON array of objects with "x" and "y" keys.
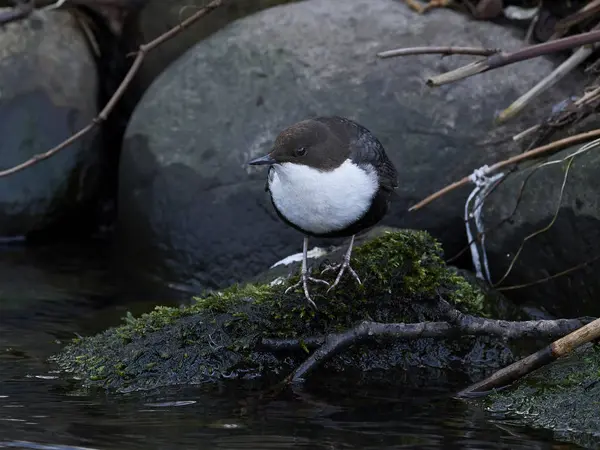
[{"x": 301, "y": 151}]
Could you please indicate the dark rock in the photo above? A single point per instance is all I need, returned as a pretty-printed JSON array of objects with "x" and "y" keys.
[
  {"x": 48, "y": 92},
  {"x": 188, "y": 202},
  {"x": 571, "y": 241},
  {"x": 220, "y": 335},
  {"x": 158, "y": 16},
  {"x": 561, "y": 397}
]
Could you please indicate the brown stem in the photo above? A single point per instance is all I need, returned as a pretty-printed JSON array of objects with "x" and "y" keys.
[
  {"x": 19, "y": 12},
  {"x": 503, "y": 58},
  {"x": 556, "y": 145},
  {"x": 438, "y": 51},
  {"x": 458, "y": 324}
]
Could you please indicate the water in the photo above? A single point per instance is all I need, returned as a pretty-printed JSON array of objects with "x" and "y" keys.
[{"x": 50, "y": 295}]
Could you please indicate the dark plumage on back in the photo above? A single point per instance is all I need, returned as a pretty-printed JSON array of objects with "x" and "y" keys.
[{"x": 365, "y": 148}]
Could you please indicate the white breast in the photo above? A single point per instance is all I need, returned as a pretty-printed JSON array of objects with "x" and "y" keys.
[{"x": 319, "y": 201}]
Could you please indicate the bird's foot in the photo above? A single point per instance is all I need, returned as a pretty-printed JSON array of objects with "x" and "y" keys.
[
  {"x": 304, "y": 279},
  {"x": 343, "y": 266},
  {"x": 328, "y": 267}
]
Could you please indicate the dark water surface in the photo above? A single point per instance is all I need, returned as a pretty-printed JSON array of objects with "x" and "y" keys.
[{"x": 50, "y": 295}]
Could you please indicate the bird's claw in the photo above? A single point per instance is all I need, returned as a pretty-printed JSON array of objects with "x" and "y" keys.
[
  {"x": 343, "y": 266},
  {"x": 329, "y": 267},
  {"x": 304, "y": 279}
]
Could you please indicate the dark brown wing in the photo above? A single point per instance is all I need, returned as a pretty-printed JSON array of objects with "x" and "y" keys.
[{"x": 365, "y": 149}]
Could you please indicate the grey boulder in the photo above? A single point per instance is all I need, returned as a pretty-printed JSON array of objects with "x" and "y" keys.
[
  {"x": 48, "y": 92},
  {"x": 158, "y": 16},
  {"x": 522, "y": 216},
  {"x": 193, "y": 212}
]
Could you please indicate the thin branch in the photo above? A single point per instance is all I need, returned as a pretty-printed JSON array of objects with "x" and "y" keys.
[
  {"x": 458, "y": 324},
  {"x": 556, "y": 145},
  {"x": 504, "y": 58},
  {"x": 550, "y": 277},
  {"x": 547, "y": 82},
  {"x": 102, "y": 116},
  {"x": 335, "y": 343},
  {"x": 563, "y": 25},
  {"x": 555, "y": 350},
  {"x": 274, "y": 344},
  {"x": 444, "y": 51},
  {"x": 22, "y": 10}
]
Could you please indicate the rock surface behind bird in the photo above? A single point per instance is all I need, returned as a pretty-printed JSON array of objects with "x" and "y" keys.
[
  {"x": 524, "y": 229},
  {"x": 193, "y": 213},
  {"x": 48, "y": 89}
]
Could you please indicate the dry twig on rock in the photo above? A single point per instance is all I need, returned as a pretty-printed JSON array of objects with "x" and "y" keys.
[
  {"x": 444, "y": 51},
  {"x": 556, "y": 145},
  {"x": 502, "y": 59},
  {"x": 19, "y": 12},
  {"x": 550, "y": 80},
  {"x": 137, "y": 63},
  {"x": 497, "y": 58},
  {"x": 555, "y": 350},
  {"x": 457, "y": 324}
]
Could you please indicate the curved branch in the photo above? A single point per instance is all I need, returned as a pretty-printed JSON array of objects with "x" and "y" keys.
[
  {"x": 458, "y": 324},
  {"x": 335, "y": 343}
]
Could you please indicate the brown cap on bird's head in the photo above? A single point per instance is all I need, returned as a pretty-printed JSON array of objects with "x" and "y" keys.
[{"x": 309, "y": 142}]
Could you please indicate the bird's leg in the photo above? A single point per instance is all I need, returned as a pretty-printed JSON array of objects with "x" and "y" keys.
[
  {"x": 346, "y": 265},
  {"x": 304, "y": 277}
]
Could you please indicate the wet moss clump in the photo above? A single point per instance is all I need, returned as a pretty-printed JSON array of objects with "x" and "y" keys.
[
  {"x": 563, "y": 396},
  {"x": 219, "y": 334}
]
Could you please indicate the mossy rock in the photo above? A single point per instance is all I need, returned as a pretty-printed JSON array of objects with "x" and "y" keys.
[
  {"x": 219, "y": 335},
  {"x": 563, "y": 396}
]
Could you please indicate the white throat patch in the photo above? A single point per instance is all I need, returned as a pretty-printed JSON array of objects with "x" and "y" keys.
[{"x": 319, "y": 201}]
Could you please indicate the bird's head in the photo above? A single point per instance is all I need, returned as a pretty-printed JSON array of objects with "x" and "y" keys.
[{"x": 310, "y": 143}]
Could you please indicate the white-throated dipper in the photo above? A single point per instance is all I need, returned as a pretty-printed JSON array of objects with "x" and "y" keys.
[{"x": 328, "y": 177}]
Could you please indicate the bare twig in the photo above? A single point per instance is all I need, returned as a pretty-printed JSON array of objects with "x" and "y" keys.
[
  {"x": 458, "y": 324},
  {"x": 556, "y": 145},
  {"x": 550, "y": 277},
  {"x": 102, "y": 116},
  {"x": 563, "y": 25},
  {"x": 555, "y": 350},
  {"x": 550, "y": 80},
  {"x": 532, "y": 25},
  {"x": 444, "y": 51},
  {"x": 19, "y": 12},
  {"x": 504, "y": 58},
  {"x": 335, "y": 343}
]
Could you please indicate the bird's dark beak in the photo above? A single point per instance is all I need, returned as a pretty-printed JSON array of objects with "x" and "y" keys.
[{"x": 263, "y": 160}]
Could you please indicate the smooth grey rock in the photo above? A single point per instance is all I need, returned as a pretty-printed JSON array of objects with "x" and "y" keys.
[
  {"x": 191, "y": 205},
  {"x": 573, "y": 239},
  {"x": 48, "y": 92},
  {"x": 158, "y": 16}
]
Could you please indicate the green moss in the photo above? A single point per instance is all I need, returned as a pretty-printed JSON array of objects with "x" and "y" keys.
[
  {"x": 401, "y": 272},
  {"x": 562, "y": 396},
  {"x": 395, "y": 265}
]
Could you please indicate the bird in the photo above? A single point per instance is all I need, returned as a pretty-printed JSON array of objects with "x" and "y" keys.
[{"x": 328, "y": 177}]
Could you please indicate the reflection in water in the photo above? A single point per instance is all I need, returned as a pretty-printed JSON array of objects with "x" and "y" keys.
[{"x": 50, "y": 295}]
